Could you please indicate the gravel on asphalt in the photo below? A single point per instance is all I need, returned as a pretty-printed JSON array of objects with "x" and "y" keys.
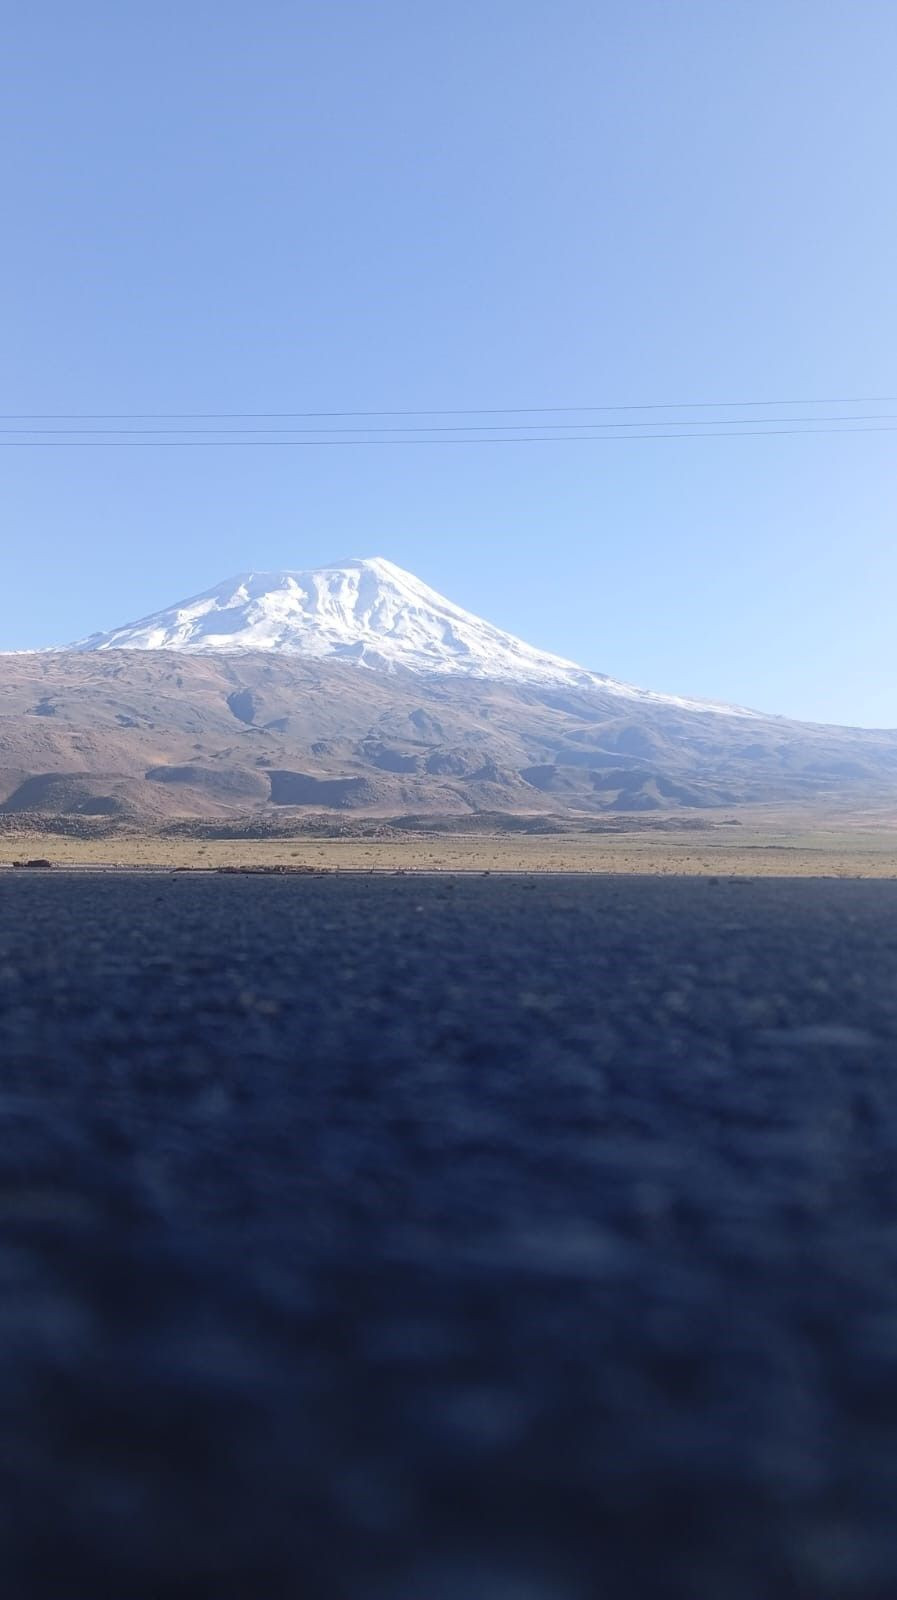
[{"x": 447, "y": 1239}]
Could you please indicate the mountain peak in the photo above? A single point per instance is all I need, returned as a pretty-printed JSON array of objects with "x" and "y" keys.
[{"x": 363, "y": 610}]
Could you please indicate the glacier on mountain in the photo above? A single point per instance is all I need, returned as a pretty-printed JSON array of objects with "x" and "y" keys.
[{"x": 368, "y": 612}]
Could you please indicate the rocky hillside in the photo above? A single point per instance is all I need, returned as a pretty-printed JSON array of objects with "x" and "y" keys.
[{"x": 153, "y": 735}]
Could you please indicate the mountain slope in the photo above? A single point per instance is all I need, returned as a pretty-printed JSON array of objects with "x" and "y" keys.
[
  {"x": 369, "y": 613},
  {"x": 149, "y": 735}
]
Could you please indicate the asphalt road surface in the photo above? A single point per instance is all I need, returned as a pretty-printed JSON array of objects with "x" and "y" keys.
[{"x": 447, "y": 1239}]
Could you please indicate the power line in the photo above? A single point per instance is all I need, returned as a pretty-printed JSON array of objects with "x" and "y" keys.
[
  {"x": 716, "y": 422},
  {"x": 459, "y": 411},
  {"x": 313, "y": 444}
]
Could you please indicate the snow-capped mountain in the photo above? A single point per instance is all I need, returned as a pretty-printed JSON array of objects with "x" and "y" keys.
[
  {"x": 367, "y": 612},
  {"x": 253, "y": 697},
  {"x": 370, "y": 612}
]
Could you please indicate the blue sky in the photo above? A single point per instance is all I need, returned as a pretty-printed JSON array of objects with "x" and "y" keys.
[{"x": 389, "y": 205}]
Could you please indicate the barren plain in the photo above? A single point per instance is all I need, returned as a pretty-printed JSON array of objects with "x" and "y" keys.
[{"x": 802, "y": 848}]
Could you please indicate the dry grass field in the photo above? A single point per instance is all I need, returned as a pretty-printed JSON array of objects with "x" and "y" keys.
[{"x": 747, "y": 851}]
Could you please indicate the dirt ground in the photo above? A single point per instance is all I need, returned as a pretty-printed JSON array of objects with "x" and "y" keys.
[{"x": 839, "y": 853}]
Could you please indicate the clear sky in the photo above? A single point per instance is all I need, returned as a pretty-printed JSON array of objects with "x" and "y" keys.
[{"x": 338, "y": 205}]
